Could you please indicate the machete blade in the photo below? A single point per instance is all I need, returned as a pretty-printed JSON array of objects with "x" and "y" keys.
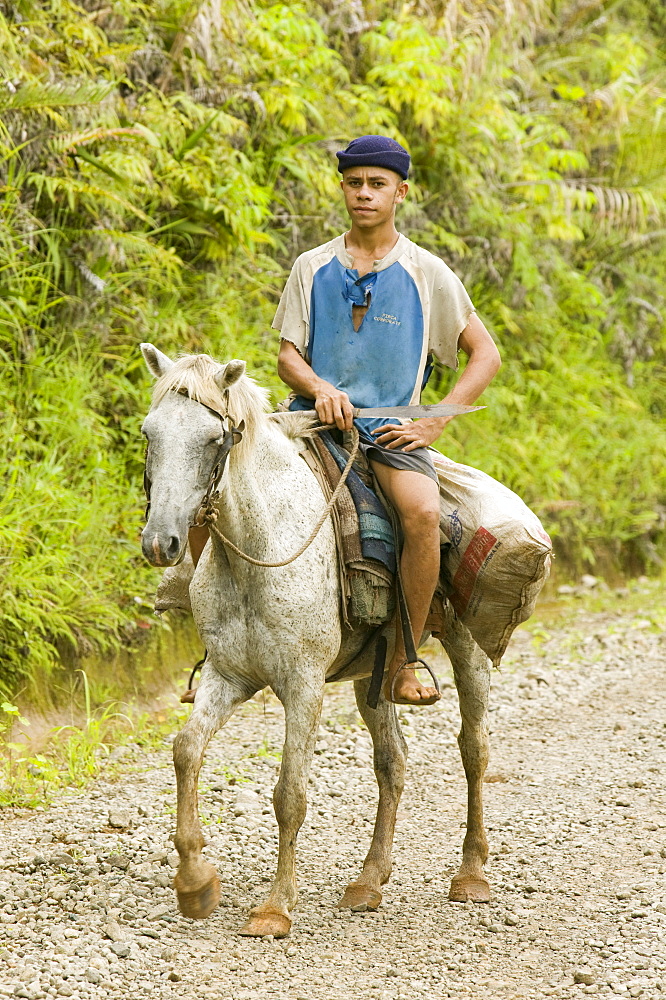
[{"x": 426, "y": 410}]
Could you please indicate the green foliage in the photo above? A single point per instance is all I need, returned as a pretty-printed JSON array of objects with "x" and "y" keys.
[
  {"x": 161, "y": 165},
  {"x": 29, "y": 779},
  {"x": 73, "y": 754}
]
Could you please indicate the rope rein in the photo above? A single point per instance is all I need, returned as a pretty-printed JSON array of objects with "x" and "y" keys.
[{"x": 211, "y": 513}]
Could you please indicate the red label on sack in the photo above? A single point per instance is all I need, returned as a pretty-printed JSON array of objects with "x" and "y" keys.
[{"x": 464, "y": 581}]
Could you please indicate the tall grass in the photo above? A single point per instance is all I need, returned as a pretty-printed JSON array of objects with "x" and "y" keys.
[
  {"x": 69, "y": 756},
  {"x": 68, "y": 518}
]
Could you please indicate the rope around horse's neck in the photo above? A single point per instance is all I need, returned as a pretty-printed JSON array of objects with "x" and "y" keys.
[{"x": 211, "y": 516}]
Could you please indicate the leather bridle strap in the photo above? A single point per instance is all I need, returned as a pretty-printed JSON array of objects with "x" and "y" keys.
[{"x": 231, "y": 435}]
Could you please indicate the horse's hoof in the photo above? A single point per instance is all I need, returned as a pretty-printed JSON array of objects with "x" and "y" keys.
[
  {"x": 200, "y": 903},
  {"x": 264, "y": 920},
  {"x": 360, "y": 898},
  {"x": 467, "y": 888}
]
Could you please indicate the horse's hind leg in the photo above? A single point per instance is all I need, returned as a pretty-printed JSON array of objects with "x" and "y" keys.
[
  {"x": 302, "y": 707},
  {"x": 390, "y": 757},
  {"x": 472, "y": 676},
  {"x": 196, "y": 881}
]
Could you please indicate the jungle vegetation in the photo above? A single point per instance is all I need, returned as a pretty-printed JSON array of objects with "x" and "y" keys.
[{"x": 161, "y": 165}]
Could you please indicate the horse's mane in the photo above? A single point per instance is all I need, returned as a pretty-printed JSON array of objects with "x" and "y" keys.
[
  {"x": 194, "y": 375},
  {"x": 294, "y": 423}
]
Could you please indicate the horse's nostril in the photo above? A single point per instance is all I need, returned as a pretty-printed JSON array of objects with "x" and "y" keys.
[{"x": 174, "y": 546}]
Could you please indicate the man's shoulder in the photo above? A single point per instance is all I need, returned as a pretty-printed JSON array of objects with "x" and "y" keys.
[
  {"x": 431, "y": 265},
  {"x": 316, "y": 256}
]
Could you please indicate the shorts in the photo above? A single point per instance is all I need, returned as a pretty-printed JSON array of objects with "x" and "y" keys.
[{"x": 419, "y": 460}]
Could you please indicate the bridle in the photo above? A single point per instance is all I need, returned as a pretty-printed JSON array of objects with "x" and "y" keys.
[{"x": 231, "y": 435}]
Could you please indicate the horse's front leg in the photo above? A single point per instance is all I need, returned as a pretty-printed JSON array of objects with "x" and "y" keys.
[
  {"x": 390, "y": 757},
  {"x": 196, "y": 881},
  {"x": 472, "y": 676},
  {"x": 302, "y": 702}
]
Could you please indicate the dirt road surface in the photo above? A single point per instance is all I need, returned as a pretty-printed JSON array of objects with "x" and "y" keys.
[{"x": 576, "y": 821}]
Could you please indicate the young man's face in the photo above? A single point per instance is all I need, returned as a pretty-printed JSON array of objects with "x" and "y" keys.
[{"x": 371, "y": 194}]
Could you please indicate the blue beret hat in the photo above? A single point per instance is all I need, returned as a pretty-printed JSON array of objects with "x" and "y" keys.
[{"x": 375, "y": 151}]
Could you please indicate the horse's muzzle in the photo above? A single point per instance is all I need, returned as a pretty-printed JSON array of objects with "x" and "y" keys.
[{"x": 162, "y": 548}]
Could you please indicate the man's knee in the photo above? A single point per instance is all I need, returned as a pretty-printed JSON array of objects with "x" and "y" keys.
[
  {"x": 419, "y": 510},
  {"x": 414, "y": 496},
  {"x": 420, "y": 517}
]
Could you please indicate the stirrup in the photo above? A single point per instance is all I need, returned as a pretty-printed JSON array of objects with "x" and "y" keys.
[
  {"x": 406, "y": 663},
  {"x": 190, "y": 694}
]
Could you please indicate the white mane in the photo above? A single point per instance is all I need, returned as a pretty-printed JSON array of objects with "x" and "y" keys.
[
  {"x": 295, "y": 423},
  {"x": 194, "y": 375}
]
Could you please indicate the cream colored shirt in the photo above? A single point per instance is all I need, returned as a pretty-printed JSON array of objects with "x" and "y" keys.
[{"x": 446, "y": 306}]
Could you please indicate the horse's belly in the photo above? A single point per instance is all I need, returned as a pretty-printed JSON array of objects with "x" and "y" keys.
[{"x": 356, "y": 657}]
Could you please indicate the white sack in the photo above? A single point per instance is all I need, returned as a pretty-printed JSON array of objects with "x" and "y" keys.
[{"x": 496, "y": 555}]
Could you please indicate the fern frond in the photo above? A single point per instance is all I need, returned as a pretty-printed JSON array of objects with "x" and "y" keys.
[
  {"x": 68, "y": 141},
  {"x": 48, "y": 96},
  {"x": 72, "y": 190}
]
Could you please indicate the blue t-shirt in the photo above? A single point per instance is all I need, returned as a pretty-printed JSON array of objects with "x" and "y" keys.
[{"x": 417, "y": 307}]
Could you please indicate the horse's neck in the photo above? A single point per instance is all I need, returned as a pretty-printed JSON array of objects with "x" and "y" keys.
[{"x": 264, "y": 492}]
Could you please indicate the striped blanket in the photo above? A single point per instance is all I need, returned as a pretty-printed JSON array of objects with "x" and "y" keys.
[{"x": 366, "y": 544}]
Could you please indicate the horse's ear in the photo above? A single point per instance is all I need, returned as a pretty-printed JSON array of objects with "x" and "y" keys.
[
  {"x": 230, "y": 374},
  {"x": 158, "y": 363}
]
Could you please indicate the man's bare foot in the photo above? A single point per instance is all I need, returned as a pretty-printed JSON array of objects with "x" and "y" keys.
[{"x": 407, "y": 688}]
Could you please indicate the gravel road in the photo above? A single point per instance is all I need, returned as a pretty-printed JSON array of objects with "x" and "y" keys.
[{"x": 574, "y": 808}]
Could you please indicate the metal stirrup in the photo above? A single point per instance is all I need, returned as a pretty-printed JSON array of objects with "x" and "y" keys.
[{"x": 406, "y": 663}]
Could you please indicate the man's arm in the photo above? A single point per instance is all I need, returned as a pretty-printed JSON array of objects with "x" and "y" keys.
[
  {"x": 484, "y": 363},
  {"x": 332, "y": 405}
]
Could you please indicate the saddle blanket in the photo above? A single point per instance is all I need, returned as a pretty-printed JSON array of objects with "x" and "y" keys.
[{"x": 363, "y": 530}]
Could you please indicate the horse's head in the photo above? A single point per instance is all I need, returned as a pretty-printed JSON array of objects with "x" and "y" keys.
[{"x": 190, "y": 432}]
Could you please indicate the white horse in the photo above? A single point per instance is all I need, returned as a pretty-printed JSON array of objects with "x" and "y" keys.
[{"x": 278, "y": 628}]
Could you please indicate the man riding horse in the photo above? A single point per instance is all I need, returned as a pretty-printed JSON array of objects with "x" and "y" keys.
[{"x": 360, "y": 320}]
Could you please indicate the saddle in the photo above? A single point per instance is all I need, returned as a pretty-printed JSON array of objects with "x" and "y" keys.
[
  {"x": 368, "y": 540},
  {"x": 364, "y": 535}
]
